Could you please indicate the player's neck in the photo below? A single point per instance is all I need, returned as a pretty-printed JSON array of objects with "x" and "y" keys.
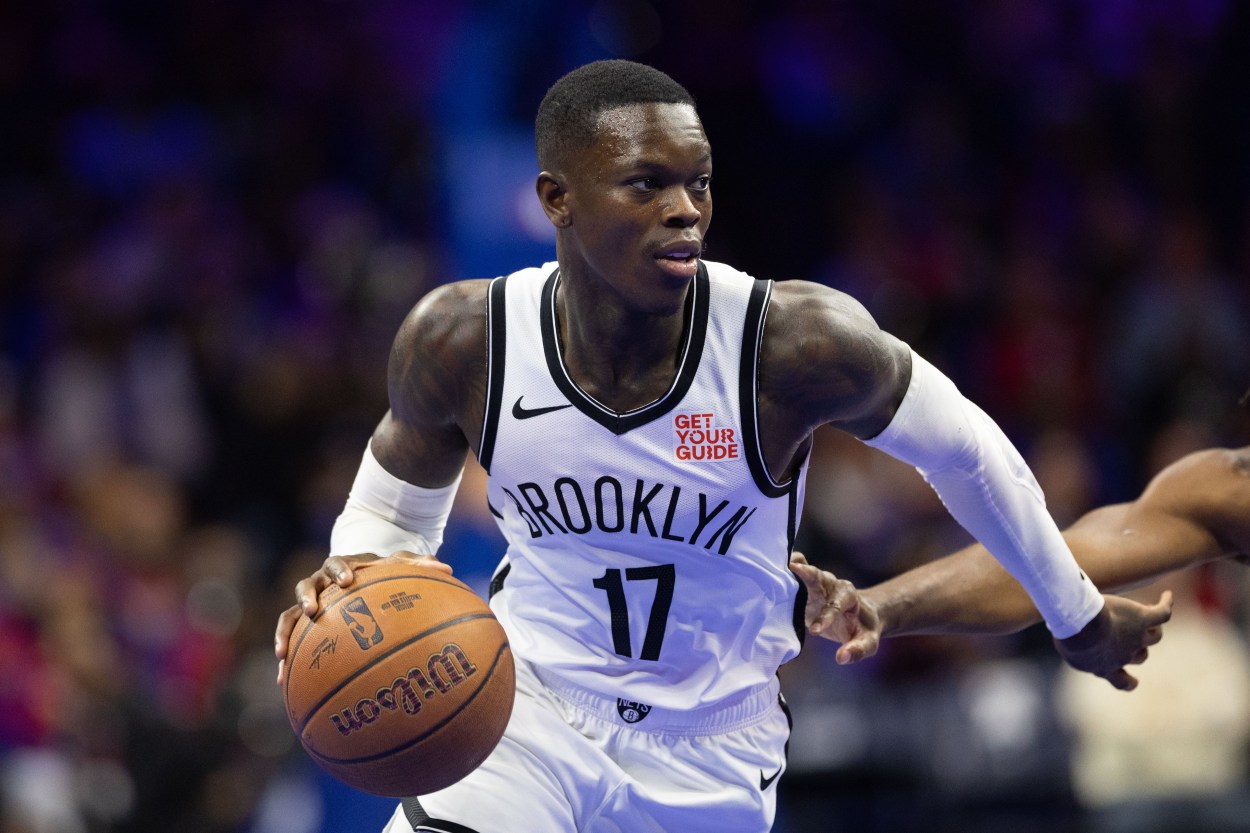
[{"x": 623, "y": 358}]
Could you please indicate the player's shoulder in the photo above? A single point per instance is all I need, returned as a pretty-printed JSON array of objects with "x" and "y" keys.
[
  {"x": 799, "y": 301},
  {"x": 825, "y": 356},
  {"x": 449, "y": 317},
  {"x": 814, "y": 327},
  {"x": 450, "y": 322},
  {"x": 817, "y": 304}
]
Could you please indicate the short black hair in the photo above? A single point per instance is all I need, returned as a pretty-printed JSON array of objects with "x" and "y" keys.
[{"x": 570, "y": 110}]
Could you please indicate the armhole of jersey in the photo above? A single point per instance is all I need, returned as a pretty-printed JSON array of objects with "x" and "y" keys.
[
  {"x": 496, "y": 342},
  {"x": 748, "y": 389},
  {"x": 423, "y": 822}
]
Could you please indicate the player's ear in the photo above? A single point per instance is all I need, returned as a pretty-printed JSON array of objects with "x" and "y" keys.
[{"x": 553, "y": 195}]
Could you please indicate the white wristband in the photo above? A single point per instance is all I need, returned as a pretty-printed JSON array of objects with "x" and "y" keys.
[
  {"x": 986, "y": 485},
  {"x": 385, "y": 514}
]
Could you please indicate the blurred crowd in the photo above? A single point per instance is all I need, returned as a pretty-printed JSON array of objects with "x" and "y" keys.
[{"x": 214, "y": 215}]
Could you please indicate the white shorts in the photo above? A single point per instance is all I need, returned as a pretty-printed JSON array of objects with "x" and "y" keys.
[{"x": 571, "y": 762}]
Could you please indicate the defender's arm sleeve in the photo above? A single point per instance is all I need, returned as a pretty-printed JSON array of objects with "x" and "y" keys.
[
  {"x": 986, "y": 485},
  {"x": 385, "y": 514}
]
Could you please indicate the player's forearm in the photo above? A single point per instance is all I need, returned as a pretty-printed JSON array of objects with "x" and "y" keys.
[
  {"x": 1119, "y": 547},
  {"x": 968, "y": 592}
]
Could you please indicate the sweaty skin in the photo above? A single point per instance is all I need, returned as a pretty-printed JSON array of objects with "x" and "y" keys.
[
  {"x": 631, "y": 212},
  {"x": 1195, "y": 511}
]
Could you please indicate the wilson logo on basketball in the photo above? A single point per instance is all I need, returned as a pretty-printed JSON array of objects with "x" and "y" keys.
[
  {"x": 698, "y": 440},
  {"x": 443, "y": 672}
]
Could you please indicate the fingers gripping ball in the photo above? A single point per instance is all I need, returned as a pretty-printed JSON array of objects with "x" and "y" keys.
[{"x": 402, "y": 684}]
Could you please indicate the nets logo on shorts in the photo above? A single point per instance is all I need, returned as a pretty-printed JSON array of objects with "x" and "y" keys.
[
  {"x": 630, "y": 711},
  {"x": 699, "y": 440}
]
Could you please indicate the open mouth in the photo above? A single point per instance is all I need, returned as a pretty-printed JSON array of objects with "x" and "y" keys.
[
  {"x": 680, "y": 257},
  {"x": 681, "y": 263}
]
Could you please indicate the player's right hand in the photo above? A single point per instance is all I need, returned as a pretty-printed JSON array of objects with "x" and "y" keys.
[{"x": 339, "y": 570}]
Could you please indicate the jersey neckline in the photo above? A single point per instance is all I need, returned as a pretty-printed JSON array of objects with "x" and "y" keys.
[{"x": 696, "y": 313}]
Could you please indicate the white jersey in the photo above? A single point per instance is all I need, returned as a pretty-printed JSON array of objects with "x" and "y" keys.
[{"x": 647, "y": 550}]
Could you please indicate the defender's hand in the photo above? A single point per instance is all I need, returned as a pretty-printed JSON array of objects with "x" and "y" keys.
[
  {"x": 836, "y": 611},
  {"x": 340, "y": 570},
  {"x": 1119, "y": 635}
]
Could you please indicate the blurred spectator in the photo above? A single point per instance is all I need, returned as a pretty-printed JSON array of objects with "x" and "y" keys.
[
  {"x": 1173, "y": 756},
  {"x": 1180, "y": 347}
]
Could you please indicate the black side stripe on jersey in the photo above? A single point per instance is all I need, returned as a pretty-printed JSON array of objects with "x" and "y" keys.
[
  {"x": 792, "y": 522},
  {"x": 800, "y": 598},
  {"x": 422, "y": 823},
  {"x": 497, "y": 580},
  {"x": 496, "y": 342},
  {"x": 800, "y": 613},
  {"x": 696, "y": 313},
  {"x": 785, "y": 708}
]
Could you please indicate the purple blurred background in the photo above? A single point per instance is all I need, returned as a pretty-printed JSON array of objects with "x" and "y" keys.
[{"x": 214, "y": 214}]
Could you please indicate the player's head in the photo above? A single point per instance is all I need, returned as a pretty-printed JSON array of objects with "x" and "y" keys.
[
  {"x": 569, "y": 114},
  {"x": 626, "y": 179}
]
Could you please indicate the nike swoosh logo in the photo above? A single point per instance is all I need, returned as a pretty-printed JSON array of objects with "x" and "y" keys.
[
  {"x": 525, "y": 413},
  {"x": 765, "y": 782}
]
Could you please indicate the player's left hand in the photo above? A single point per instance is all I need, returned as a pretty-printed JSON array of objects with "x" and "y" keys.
[
  {"x": 836, "y": 611},
  {"x": 1119, "y": 635}
]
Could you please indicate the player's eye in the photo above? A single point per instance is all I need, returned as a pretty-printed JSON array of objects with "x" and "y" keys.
[
  {"x": 702, "y": 183},
  {"x": 646, "y": 183}
]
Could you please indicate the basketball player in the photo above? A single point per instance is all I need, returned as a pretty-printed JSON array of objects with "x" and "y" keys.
[
  {"x": 645, "y": 417},
  {"x": 1194, "y": 511}
]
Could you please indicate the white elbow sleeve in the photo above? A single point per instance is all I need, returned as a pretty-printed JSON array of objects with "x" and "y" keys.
[
  {"x": 385, "y": 514},
  {"x": 986, "y": 485}
]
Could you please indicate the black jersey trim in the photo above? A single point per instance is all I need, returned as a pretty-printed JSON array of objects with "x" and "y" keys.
[
  {"x": 800, "y": 613},
  {"x": 697, "y": 306},
  {"x": 497, "y": 580},
  {"x": 748, "y": 390},
  {"x": 800, "y": 598},
  {"x": 422, "y": 822},
  {"x": 496, "y": 345},
  {"x": 792, "y": 521},
  {"x": 748, "y": 407},
  {"x": 785, "y": 708}
]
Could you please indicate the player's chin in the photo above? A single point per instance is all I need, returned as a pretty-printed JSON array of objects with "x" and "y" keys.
[{"x": 665, "y": 292}]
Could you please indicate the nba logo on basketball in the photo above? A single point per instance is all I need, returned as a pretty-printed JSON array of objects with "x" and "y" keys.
[
  {"x": 630, "y": 711},
  {"x": 364, "y": 626}
]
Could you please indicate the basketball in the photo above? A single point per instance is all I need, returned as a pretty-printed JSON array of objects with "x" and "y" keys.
[{"x": 402, "y": 684}]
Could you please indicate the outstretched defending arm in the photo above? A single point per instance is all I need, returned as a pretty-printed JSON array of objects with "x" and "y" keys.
[{"x": 1195, "y": 510}]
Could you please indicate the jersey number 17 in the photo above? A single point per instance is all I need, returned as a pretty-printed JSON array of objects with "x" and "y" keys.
[{"x": 664, "y": 576}]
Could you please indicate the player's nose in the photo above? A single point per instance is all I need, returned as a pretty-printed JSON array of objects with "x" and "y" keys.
[{"x": 681, "y": 211}]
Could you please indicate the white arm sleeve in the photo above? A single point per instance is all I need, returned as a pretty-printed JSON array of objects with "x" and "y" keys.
[
  {"x": 986, "y": 485},
  {"x": 384, "y": 514}
]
